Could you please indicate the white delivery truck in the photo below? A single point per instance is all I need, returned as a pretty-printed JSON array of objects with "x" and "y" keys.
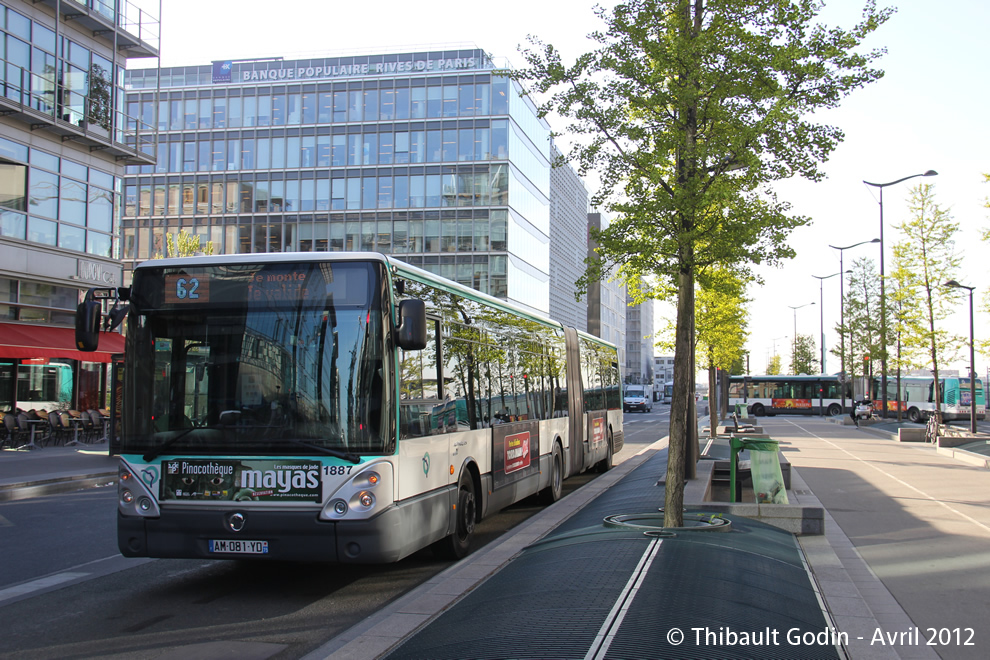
[{"x": 637, "y": 397}]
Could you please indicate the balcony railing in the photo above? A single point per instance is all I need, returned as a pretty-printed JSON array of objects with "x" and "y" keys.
[
  {"x": 138, "y": 30},
  {"x": 46, "y": 104}
]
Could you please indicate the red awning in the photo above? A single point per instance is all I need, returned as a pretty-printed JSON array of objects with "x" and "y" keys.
[{"x": 22, "y": 341}]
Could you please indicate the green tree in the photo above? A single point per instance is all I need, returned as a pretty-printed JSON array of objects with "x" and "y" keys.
[
  {"x": 721, "y": 318},
  {"x": 905, "y": 314},
  {"x": 862, "y": 317},
  {"x": 773, "y": 367},
  {"x": 184, "y": 244},
  {"x": 688, "y": 110},
  {"x": 804, "y": 355},
  {"x": 929, "y": 246}
]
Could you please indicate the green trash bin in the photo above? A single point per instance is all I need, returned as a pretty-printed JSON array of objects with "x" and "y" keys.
[{"x": 768, "y": 480}]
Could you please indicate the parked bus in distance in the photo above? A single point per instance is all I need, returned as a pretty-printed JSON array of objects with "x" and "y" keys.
[
  {"x": 668, "y": 392},
  {"x": 40, "y": 386},
  {"x": 770, "y": 395},
  {"x": 917, "y": 398},
  {"x": 340, "y": 407}
]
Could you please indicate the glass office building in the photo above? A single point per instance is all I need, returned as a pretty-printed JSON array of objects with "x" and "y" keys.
[
  {"x": 64, "y": 142},
  {"x": 432, "y": 156}
]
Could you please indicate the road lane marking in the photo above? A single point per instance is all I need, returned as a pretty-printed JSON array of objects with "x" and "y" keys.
[
  {"x": 603, "y": 640},
  {"x": 38, "y": 585}
]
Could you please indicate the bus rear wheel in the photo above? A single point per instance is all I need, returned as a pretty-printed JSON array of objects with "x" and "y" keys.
[
  {"x": 914, "y": 415},
  {"x": 605, "y": 464},
  {"x": 759, "y": 410},
  {"x": 555, "y": 488},
  {"x": 834, "y": 410},
  {"x": 458, "y": 544}
]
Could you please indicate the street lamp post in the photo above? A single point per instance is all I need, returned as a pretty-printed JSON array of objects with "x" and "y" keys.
[
  {"x": 972, "y": 357},
  {"x": 883, "y": 291},
  {"x": 842, "y": 314},
  {"x": 821, "y": 319},
  {"x": 794, "y": 354}
]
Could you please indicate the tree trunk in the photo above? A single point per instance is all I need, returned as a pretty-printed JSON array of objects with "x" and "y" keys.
[
  {"x": 713, "y": 410},
  {"x": 682, "y": 404}
]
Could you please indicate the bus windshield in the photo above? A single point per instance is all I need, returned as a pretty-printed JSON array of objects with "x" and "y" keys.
[{"x": 256, "y": 358}]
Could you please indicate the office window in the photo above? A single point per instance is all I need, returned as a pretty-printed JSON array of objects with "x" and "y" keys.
[
  {"x": 386, "y": 145},
  {"x": 387, "y": 112},
  {"x": 370, "y": 105},
  {"x": 278, "y": 110},
  {"x": 339, "y": 107},
  {"x": 325, "y": 112},
  {"x": 309, "y": 104},
  {"x": 449, "y": 100},
  {"x": 294, "y": 111},
  {"x": 308, "y": 157},
  {"x": 190, "y": 114},
  {"x": 72, "y": 202},
  {"x": 264, "y": 111},
  {"x": 402, "y": 103},
  {"x": 293, "y": 151},
  {"x": 418, "y": 102},
  {"x": 42, "y": 231},
  {"x": 250, "y": 111},
  {"x": 43, "y": 193},
  {"x": 323, "y": 150},
  {"x": 205, "y": 113},
  {"x": 220, "y": 112}
]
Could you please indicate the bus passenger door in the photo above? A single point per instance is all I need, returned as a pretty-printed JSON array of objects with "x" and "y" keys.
[{"x": 423, "y": 444}]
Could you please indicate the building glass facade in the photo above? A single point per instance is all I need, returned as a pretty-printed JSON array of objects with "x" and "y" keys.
[{"x": 431, "y": 156}]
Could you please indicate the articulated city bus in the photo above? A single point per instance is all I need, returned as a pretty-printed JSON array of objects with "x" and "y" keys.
[
  {"x": 770, "y": 395},
  {"x": 917, "y": 398},
  {"x": 340, "y": 407}
]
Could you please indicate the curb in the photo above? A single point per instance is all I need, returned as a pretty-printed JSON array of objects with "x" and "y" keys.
[{"x": 38, "y": 488}]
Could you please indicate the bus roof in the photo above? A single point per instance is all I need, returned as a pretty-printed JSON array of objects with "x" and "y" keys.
[{"x": 397, "y": 266}]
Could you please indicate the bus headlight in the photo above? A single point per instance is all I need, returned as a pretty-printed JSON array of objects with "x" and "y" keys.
[{"x": 362, "y": 496}]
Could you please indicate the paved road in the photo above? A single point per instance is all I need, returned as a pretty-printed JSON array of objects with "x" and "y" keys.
[{"x": 920, "y": 520}]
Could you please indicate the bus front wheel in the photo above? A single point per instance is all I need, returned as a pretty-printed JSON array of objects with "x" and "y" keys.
[
  {"x": 914, "y": 415},
  {"x": 759, "y": 410},
  {"x": 834, "y": 410},
  {"x": 458, "y": 544}
]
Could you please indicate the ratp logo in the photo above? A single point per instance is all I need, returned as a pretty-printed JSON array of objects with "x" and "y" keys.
[
  {"x": 426, "y": 463},
  {"x": 172, "y": 467},
  {"x": 150, "y": 475}
]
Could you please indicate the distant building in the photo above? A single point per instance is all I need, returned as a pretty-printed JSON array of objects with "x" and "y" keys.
[
  {"x": 606, "y": 300},
  {"x": 568, "y": 244},
  {"x": 663, "y": 369},
  {"x": 432, "y": 156},
  {"x": 639, "y": 342}
]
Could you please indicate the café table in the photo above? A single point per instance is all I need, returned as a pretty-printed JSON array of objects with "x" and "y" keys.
[{"x": 33, "y": 425}]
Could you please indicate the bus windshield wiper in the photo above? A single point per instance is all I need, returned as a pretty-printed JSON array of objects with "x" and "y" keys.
[
  {"x": 344, "y": 455},
  {"x": 160, "y": 449}
]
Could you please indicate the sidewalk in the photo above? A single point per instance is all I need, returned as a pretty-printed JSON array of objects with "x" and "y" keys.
[{"x": 904, "y": 549}]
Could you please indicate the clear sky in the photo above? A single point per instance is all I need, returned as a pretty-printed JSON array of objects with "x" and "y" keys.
[{"x": 928, "y": 112}]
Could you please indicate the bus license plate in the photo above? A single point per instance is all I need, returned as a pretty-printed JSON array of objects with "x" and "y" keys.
[{"x": 239, "y": 547}]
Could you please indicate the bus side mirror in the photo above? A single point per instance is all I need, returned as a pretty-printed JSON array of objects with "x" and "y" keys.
[
  {"x": 88, "y": 325},
  {"x": 412, "y": 325}
]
